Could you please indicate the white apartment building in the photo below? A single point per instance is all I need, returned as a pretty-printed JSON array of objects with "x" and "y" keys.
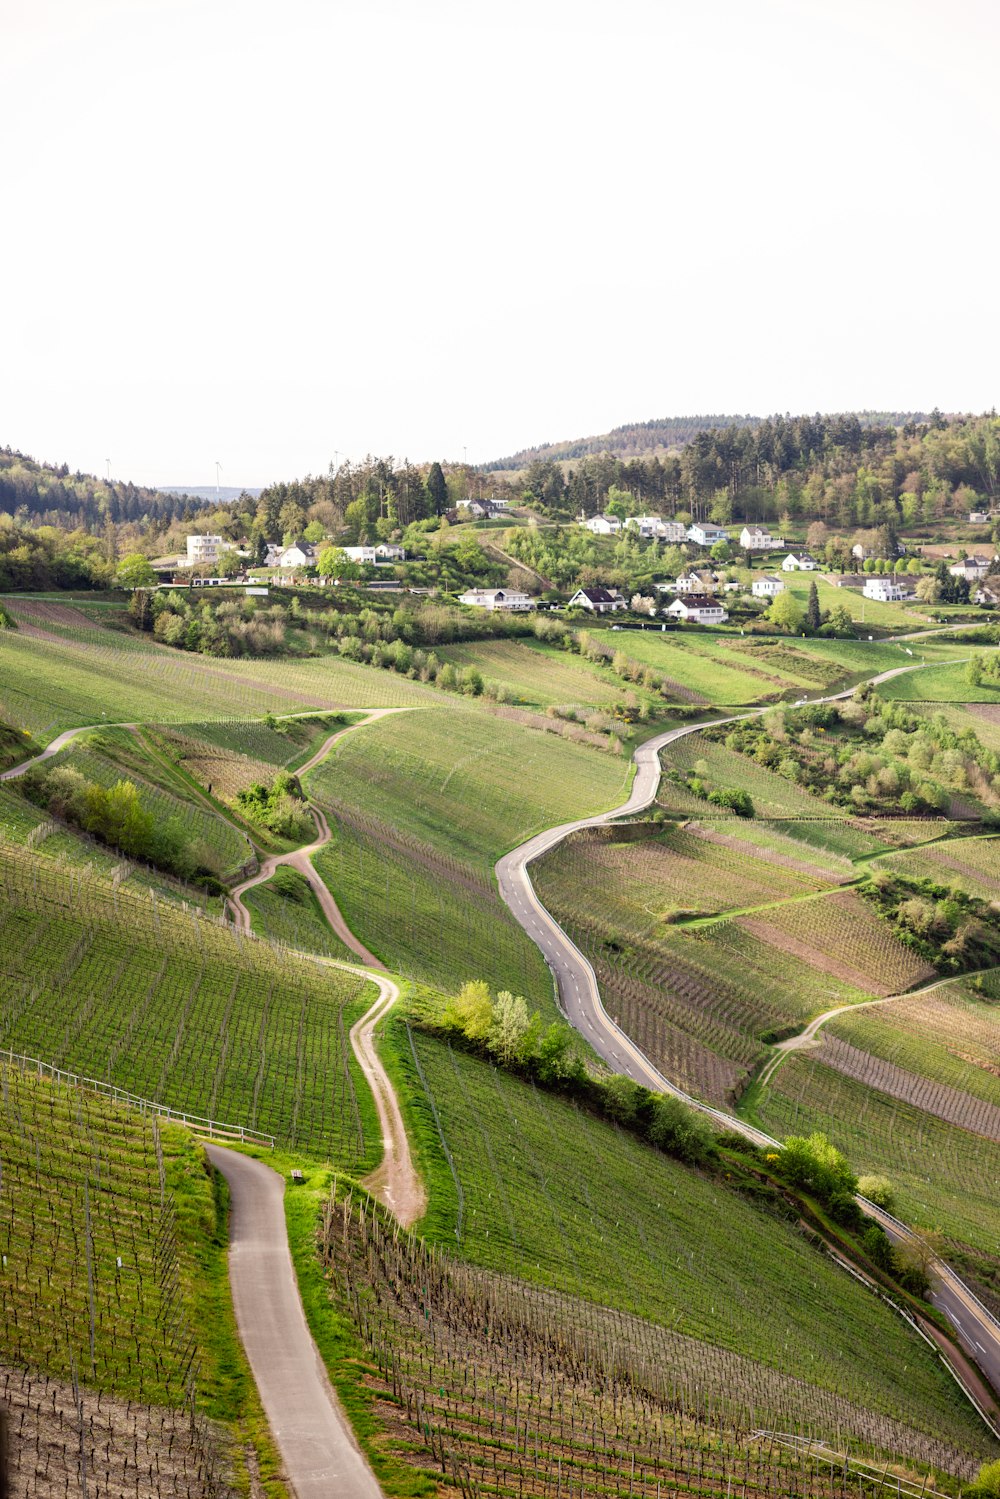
[{"x": 205, "y": 549}]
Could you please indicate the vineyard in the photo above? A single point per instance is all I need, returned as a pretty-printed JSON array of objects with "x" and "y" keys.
[
  {"x": 625, "y": 882},
  {"x": 284, "y": 910},
  {"x": 969, "y": 864},
  {"x": 948, "y": 1034},
  {"x": 698, "y": 999},
  {"x": 539, "y": 676},
  {"x": 96, "y": 1296},
  {"x": 943, "y": 1176},
  {"x": 954, "y": 1105},
  {"x": 840, "y": 935},
  {"x": 48, "y": 684},
  {"x": 426, "y": 914},
  {"x": 515, "y": 1391},
  {"x": 215, "y": 842},
  {"x": 547, "y": 1193},
  {"x": 171, "y": 1006}
]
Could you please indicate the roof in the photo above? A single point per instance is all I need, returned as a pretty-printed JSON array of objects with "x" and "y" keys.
[
  {"x": 598, "y": 595},
  {"x": 698, "y": 601},
  {"x": 768, "y": 578}
]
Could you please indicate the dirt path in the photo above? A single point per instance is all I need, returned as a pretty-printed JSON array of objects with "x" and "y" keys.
[
  {"x": 395, "y": 1182},
  {"x": 301, "y": 858},
  {"x": 807, "y": 1038},
  {"x": 318, "y": 1449}
]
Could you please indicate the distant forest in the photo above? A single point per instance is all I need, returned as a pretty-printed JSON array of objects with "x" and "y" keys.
[
  {"x": 668, "y": 432},
  {"x": 39, "y": 494},
  {"x": 837, "y": 469}
]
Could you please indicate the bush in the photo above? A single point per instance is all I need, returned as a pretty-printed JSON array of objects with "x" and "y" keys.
[{"x": 878, "y": 1189}]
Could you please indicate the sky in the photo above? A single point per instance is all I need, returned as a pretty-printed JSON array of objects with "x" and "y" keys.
[{"x": 276, "y": 235}]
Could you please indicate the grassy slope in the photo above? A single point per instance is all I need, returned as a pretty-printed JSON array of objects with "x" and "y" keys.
[
  {"x": 422, "y": 806},
  {"x": 49, "y": 684},
  {"x": 569, "y": 1202}
]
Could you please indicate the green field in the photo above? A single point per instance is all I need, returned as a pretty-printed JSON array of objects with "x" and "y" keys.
[
  {"x": 421, "y": 806},
  {"x": 48, "y": 684},
  {"x": 969, "y": 864},
  {"x": 177, "y": 1009},
  {"x": 539, "y": 675},
  {"x": 563, "y": 1200}
]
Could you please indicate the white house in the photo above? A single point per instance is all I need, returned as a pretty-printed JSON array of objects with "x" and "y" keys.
[
  {"x": 497, "y": 598},
  {"x": 885, "y": 589},
  {"x": 384, "y": 552},
  {"x": 797, "y": 562},
  {"x": 699, "y": 609},
  {"x": 972, "y": 569},
  {"x": 987, "y": 593},
  {"x": 299, "y": 554},
  {"x": 696, "y": 580},
  {"x": 274, "y": 551},
  {"x": 603, "y": 525},
  {"x": 767, "y": 587},
  {"x": 597, "y": 600},
  {"x": 205, "y": 549},
  {"x": 978, "y": 517},
  {"x": 662, "y": 530},
  {"x": 756, "y": 539},
  {"x": 705, "y": 534},
  {"x": 646, "y": 525}
]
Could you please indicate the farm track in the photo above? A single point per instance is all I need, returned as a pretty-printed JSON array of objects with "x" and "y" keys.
[
  {"x": 317, "y": 1445},
  {"x": 580, "y": 1000}
]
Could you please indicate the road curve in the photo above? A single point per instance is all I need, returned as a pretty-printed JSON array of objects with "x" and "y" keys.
[
  {"x": 320, "y": 1455},
  {"x": 580, "y": 1000},
  {"x": 60, "y": 742}
]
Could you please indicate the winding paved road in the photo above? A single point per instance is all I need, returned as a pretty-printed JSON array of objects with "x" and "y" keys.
[
  {"x": 314, "y": 1436},
  {"x": 580, "y": 1000}
]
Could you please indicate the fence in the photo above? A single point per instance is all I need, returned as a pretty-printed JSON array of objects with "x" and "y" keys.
[{"x": 211, "y": 1127}]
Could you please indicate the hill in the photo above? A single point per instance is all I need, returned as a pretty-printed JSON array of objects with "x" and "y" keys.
[
  {"x": 48, "y": 494},
  {"x": 661, "y": 433}
]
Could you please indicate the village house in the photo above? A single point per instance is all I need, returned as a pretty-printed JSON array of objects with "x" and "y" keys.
[
  {"x": 705, "y": 534},
  {"x": 696, "y": 580},
  {"x": 978, "y": 518},
  {"x": 698, "y": 609},
  {"x": 972, "y": 569},
  {"x": 510, "y": 599},
  {"x": 767, "y": 586},
  {"x": 661, "y": 530},
  {"x": 756, "y": 539},
  {"x": 797, "y": 562},
  {"x": 202, "y": 549},
  {"x": 597, "y": 600},
  {"x": 384, "y": 552},
  {"x": 987, "y": 593},
  {"x": 299, "y": 554},
  {"x": 885, "y": 589},
  {"x": 603, "y": 525}
]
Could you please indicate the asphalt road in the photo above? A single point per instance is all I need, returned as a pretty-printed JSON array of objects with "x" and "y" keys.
[
  {"x": 580, "y": 1001},
  {"x": 314, "y": 1437}
]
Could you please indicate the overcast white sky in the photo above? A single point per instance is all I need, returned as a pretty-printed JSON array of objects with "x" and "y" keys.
[{"x": 266, "y": 233}]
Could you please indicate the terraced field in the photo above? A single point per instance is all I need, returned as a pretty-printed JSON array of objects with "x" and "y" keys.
[
  {"x": 546, "y": 1193},
  {"x": 539, "y": 676}
]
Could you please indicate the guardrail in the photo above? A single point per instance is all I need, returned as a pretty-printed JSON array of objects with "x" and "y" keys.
[{"x": 214, "y": 1128}]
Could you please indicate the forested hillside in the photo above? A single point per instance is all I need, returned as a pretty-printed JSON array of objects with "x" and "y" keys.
[
  {"x": 636, "y": 438},
  {"x": 838, "y": 469}
]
